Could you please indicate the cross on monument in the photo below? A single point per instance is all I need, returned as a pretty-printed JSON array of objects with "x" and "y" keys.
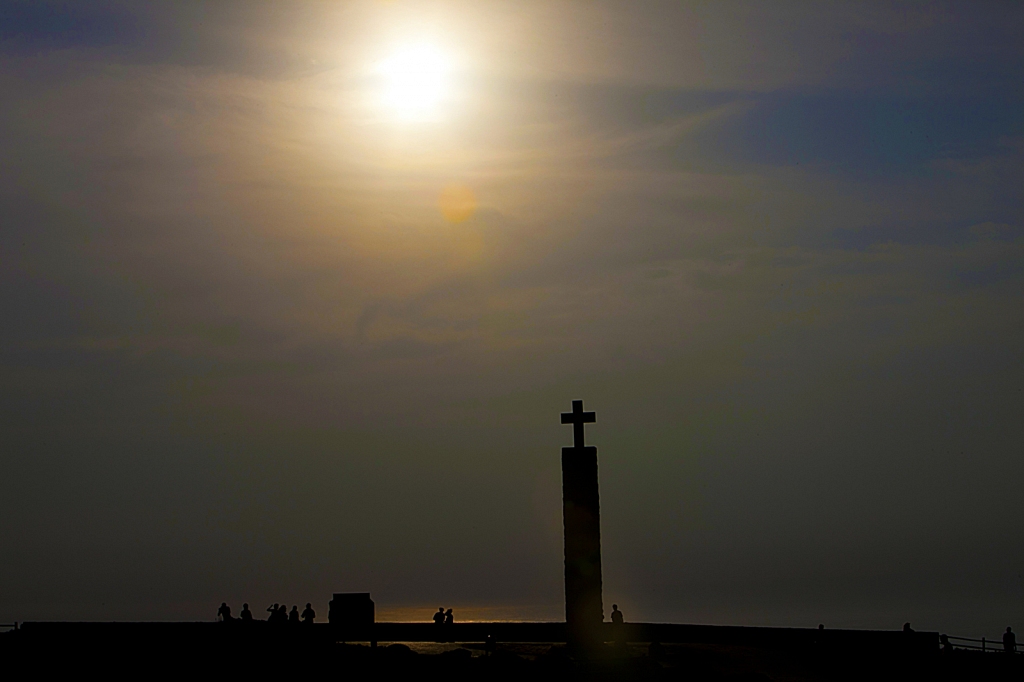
[
  {"x": 578, "y": 418},
  {"x": 581, "y": 522}
]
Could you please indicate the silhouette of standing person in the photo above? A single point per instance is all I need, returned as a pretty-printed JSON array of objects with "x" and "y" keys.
[
  {"x": 449, "y": 619},
  {"x": 246, "y": 614},
  {"x": 293, "y": 617},
  {"x": 617, "y": 634},
  {"x": 272, "y": 618},
  {"x": 308, "y": 614},
  {"x": 282, "y": 614},
  {"x": 1009, "y": 641},
  {"x": 224, "y": 612},
  {"x": 439, "y": 621}
]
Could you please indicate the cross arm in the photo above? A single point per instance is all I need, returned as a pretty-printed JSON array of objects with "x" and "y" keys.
[{"x": 578, "y": 417}]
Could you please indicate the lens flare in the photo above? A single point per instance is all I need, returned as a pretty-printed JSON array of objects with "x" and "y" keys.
[{"x": 457, "y": 203}]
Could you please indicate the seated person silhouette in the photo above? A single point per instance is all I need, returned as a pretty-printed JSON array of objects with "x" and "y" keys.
[
  {"x": 246, "y": 614},
  {"x": 224, "y": 612},
  {"x": 308, "y": 614},
  {"x": 947, "y": 648},
  {"x": 293, "y": 617},
  {"x": 616, "y": 615},
  {"x": 1009, "y": 641}
]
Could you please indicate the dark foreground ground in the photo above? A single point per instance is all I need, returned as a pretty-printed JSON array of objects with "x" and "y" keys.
[{"x": 115, "y": 652}]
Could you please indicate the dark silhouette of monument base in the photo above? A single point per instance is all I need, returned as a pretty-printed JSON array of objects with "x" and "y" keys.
[{"x": 581, "y": 522}]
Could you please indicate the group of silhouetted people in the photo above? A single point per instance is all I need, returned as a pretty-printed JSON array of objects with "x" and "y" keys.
[
  {"x": 441, "y": 619},
  {"x": 279, "y": 614}
]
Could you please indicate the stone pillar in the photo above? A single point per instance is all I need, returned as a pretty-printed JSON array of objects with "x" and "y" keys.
[{"x": 581, "y": 519}]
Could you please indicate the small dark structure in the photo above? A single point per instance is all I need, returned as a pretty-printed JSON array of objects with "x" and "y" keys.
[{"x": 351, "y": 609}]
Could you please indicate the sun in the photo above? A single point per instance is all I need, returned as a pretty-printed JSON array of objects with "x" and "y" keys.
[{"x": 414, "y": 81}]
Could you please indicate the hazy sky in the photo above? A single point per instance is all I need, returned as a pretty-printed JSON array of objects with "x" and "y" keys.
[{"x": 248, "y": 352}]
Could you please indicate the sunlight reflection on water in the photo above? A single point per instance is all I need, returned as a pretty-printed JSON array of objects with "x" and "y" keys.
[
  {"x": 472, "y": 614},
  {"x": 529, "y": 650}
]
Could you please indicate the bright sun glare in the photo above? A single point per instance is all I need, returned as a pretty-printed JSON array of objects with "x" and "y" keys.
[{"x": 415, "y": 81}]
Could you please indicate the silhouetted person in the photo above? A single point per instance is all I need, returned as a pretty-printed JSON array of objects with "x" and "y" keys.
[
  {"x": 617, "y": 620},
  {"x": 293, "y": 617},
  {"x": 448, "y": 617},
  {"x": 278, "y": 614},
  {"x": 439, "y": 621},
  {"x": 907, "y": 628},
  {"x": 224, "y": 612},
  {"x": 308, "y": 614},
  {"x": 947, "y": 648},
  {"x": 1009, "y": 641},
  {"x": 246, "y": 614}
]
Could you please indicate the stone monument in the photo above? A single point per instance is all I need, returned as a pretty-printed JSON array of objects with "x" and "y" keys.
[{"x": 581, "y": 519}]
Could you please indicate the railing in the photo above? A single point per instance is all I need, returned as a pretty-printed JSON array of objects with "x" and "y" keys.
[
  {"x": 9, "y": 626},
  {"x": 984, "y": 644}
]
